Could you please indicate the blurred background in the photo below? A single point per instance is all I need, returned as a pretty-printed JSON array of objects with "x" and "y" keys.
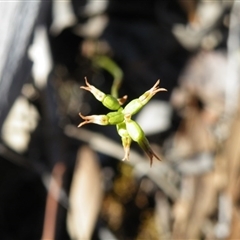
[{"x": 58, "y": 181}]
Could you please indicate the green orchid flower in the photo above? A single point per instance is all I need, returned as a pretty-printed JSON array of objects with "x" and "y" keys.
[{"x": 127, "y": 129}]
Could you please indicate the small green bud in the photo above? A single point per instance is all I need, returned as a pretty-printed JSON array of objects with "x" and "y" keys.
[
  {"x": 115, "y": 117},
  {"x": 111, "y": 102}
]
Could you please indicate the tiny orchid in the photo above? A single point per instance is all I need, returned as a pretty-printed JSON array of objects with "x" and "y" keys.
[{"x": 127, "y": 129}]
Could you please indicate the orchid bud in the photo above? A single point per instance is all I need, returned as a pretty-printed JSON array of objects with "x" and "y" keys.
[
  {"x": 136, "y": 105},
  {"x": 107, "y": 100},
  {"x": 115, "y": 117},
  {"x": 136, "y": 133},
  {"x": 111, "y": 102},
  {"x": 126, "y": 139}
]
